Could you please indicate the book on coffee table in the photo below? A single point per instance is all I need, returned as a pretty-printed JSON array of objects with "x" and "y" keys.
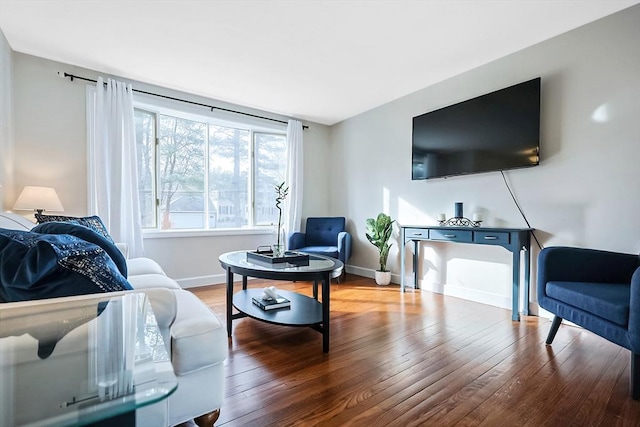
[{"x": 273, "y": 303}]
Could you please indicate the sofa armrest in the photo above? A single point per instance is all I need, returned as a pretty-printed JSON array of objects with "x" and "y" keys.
[
  {"x": 344, "y": 246},
  {"x": 296, "y": 240},
  {"x": 634, "y": 312},
  {"x": 13, "y": 221}
]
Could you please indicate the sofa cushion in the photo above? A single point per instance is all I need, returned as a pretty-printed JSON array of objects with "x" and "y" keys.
[
  {"x": 609, "y": 301},
  {"x": 38, "y": 266},
  {"x": 143, "y": 265},
  {"x": 93, "y": 222},
  {"x": 85, "y": 233},
  {"x": 330, "y": 251}
]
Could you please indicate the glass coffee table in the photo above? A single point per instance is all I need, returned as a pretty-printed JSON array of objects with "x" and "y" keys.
[
  {"x": 304, "y": 310},
  {"x": 88, "y": 360}
]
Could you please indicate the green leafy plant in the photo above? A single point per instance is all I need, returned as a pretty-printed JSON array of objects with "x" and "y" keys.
[
  {"x": 282, "y": 193},
  {"x": 378, "y": 233}
]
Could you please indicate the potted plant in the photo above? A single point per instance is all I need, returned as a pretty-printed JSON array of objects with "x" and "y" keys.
[{"x": 378, "y": 233}]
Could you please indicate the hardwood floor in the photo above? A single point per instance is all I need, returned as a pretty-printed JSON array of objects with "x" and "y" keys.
[{"x": 418, "y": 358}]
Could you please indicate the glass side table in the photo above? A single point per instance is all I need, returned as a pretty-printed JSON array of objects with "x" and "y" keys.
[{"x": 81, "y": 360}]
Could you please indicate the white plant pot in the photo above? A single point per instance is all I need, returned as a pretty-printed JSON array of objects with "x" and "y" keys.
[{"x": 383, "y": 278}]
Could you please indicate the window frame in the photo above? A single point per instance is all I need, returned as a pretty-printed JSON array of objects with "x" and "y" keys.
[{"x": 175, "y": 108}]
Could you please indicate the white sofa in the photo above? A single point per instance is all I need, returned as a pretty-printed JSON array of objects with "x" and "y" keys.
[{"x": 196, "y": 340}]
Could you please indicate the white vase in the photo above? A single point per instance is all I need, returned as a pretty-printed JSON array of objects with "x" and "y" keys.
[
  {"x": 278, "y": 243},
  {"x": 383, "y": 278}
]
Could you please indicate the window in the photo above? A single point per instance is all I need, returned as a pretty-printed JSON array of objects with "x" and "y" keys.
[{"x": 197, "y": 172}]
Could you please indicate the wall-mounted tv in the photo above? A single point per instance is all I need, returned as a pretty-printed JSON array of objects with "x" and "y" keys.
[{"x": 496, "y": 131}]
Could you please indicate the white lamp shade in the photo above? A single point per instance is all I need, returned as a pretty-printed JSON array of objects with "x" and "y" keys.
[{"x": 38, "y": 198}]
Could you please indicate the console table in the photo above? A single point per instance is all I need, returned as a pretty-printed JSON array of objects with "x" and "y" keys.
[{"x": 514, "y": 240}]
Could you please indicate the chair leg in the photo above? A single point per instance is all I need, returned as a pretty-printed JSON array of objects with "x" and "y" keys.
[
  {"x": 557, "y": 320},
  {"x": 634, "y": 380}
]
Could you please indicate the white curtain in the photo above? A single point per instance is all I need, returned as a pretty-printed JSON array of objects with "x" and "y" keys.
[
  {"x": 293, "y": 213},
  {"x": 115, "y": 178}
]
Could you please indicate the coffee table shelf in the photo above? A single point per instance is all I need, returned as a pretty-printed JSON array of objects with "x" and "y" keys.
[{"x": 304, "y": 310}]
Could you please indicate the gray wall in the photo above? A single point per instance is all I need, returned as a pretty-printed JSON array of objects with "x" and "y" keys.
[{"x": 585, "y": 192}]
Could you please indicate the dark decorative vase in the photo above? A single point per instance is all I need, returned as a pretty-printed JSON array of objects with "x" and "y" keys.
[{"x": 458, "y": 211}]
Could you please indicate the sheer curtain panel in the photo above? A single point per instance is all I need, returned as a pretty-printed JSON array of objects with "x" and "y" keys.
[
  {"x": 114, "y": 183},
  {"x": 293, "y": 217}
]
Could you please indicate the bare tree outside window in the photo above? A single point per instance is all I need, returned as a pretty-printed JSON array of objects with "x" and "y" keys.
[
  {"x": 207, "y": 176},
  {"x": 229, "y": 154},
  {"x": 270, "y": 164}
]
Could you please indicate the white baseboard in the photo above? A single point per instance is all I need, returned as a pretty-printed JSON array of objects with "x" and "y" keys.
[
  {"x": 476, "y": 295},
  {"x": 496, "y": 300},
  {"x": 195, "y": 282},
  {"x": 541, "y": 312},
  {"x": 371, "y": 274},
  {"x": 214, "y": 279}
]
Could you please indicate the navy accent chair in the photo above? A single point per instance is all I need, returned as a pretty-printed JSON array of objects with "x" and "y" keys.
[
  {"x": 597, "y": 290},
  {"x": 323, "y": 236}
]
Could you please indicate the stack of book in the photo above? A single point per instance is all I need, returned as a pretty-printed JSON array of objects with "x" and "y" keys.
[{"x": 272, "y": 303}]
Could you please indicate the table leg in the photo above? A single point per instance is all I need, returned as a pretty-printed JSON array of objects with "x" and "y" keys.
[
  {"x": 402, "y": 257},
  {"x": 230, "y": 299},
  {"x": 527, "y": 281},
  {"x": 244, "y": 283},
  {"x": 415, "y": 264},
  {"x": 515, "y": 304},
  {"x": 326, "y": 287}
]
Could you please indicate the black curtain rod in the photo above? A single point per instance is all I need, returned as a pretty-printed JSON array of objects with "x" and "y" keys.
[{"x": 212, "y": 107}]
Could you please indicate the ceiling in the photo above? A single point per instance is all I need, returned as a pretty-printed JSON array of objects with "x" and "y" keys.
[{"x": 317, "y": 60}]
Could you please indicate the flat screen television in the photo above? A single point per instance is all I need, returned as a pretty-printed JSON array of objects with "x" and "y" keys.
[{"x": 496, "y": 131}]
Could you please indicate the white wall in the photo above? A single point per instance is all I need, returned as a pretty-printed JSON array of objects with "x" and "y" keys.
[
  {"x": 586, "y": 191},
  {"x": 6, "y": 117},
  {"x": 50, "y": 135}
]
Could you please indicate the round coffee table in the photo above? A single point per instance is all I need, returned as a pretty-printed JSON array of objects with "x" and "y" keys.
[{"x": 304, "y": 310}]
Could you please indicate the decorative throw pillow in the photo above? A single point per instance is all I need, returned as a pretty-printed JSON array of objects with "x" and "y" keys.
[
  {"x": 93, "y": 222},
  {"x": 37, "y": 266},
  {"x": 85, "y": 233}
]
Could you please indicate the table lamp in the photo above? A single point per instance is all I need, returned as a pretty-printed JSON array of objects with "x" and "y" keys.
[{"x": 38, "y": 199}]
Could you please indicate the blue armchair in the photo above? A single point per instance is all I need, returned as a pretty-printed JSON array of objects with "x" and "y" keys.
[
  {"x": 323, "y": 236},
  {"x": 597, "y": 290}
]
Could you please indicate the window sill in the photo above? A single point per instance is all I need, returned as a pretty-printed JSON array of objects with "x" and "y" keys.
[{"x": 171, "y": 234}]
